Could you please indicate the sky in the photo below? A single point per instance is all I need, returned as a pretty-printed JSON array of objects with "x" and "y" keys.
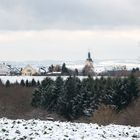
[{"x": 67, "y": 29}]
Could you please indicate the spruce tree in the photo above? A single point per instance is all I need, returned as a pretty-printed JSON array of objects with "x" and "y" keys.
[
  {"x": 33, "y": 83},
  {"x": 56, "y": 94},
  {"x": 22, "y": 83},
  {"x": 46, "y": 89},
  {"x": 38, "y": 83},
  {"x": 1, "y": 84},
  {"x": 7, "y": 83},
  {"x": 71, "y": 88},
  {"x": 64, "y": 69},
  {"x": 133, "y": 86},
  {"x": 27, "y": 83},
  {"x": 36, "y": 99}
]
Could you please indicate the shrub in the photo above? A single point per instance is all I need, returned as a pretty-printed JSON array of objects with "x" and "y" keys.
[{"x": 104, "y": 115}]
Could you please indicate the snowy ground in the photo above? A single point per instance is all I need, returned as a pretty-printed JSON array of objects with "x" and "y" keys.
[
  {"x": 47, "y": 130},
  {"x": 14, "y": 79}
]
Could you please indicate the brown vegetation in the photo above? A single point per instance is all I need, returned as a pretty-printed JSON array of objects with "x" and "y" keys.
[
  {"x": 130, "y": 115},
  {"x": 104, "y": 115},
  {"x": 15, "y": 103},
  {"x": 108, "y": 115},
  {"x": 15, "y": 100}
]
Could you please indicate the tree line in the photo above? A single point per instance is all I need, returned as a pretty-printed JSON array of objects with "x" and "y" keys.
[
  {"x": 23, "y": 83},
  {"x": 73, "y": 98}
]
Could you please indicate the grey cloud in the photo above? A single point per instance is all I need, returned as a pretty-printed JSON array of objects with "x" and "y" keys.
[{"x": 68, "y": 14}]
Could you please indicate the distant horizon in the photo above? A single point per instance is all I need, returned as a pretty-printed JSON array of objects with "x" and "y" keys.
[{"x": 45, "y": 60}]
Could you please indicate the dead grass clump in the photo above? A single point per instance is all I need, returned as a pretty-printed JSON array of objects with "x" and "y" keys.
[
  {"x": 130, "y": 115},
  {"x": 104, "y": 115}
]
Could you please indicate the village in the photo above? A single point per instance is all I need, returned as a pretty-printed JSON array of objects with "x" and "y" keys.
[
  {"x": 63, "y": 70},
  {"x": 29, "y": 70}
]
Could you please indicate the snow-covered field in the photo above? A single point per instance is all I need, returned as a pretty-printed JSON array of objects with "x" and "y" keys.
[
  {"x": 48, "y": 130},
  {"x": 14, "y": 79}
]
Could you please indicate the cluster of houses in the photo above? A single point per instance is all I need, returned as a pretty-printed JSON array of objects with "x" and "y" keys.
[
  {"x": 29, "y": 70},
  {"x": 55, "y": 70},
  {"x": 6, "y": 70}
]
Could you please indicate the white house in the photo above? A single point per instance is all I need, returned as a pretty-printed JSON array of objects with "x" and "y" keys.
[{"x": 4, "y": 70}]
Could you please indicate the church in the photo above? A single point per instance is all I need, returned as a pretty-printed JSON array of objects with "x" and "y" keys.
[{"x": 88, "y": 67}]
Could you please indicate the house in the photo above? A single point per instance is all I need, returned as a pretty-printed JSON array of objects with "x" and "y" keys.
[
  {"x": 4, "y": 70},
  {"x": 28, "y": 71},
  {"x": 14, "y": 70}
]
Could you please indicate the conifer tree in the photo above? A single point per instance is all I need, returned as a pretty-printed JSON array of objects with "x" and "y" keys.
[
  {"x": 27, "y": 83},
  {"x": 71, "y": 90},
  {"x": 33, "y": 83},
  {"x": 7, "y": 83},
  {"x": 1, "y": 82},
  {"x": 38, "y": 83},
  {"x": 36, "y": 99},
  {"x": 57, "y": 94},
  {"x": 64, "y": 69},
  {"x": 46, "y": 92},
  {"x": 22, "y": 83}
]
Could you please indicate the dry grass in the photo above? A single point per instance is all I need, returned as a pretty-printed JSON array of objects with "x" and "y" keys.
[
  {"x": 130, "y": 115},
  {"x": 104, "y": 115},
  {"x": 107, "y": 115},
  {"x": 15, "y": 103},
  {"x": 15, "y": 100}
]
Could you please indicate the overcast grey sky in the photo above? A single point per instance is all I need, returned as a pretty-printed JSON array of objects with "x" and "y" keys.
[{"x": 66, "y": 29}]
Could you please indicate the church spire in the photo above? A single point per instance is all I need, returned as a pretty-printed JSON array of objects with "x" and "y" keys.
[{"x": 89, "y": 57}]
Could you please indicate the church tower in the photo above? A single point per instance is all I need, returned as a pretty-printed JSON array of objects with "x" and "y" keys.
[
  {"x": 89, "y": 57},
  {"x": 88, "y": 68}
]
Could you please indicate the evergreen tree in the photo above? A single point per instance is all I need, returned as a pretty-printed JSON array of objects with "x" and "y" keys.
[
  {"x": 133, "y": 86},
  {"x": 1, "y": 82},
  {"x": 7, "y": 83},
  {"x": 121, "y": 92},
  {"x": 46, "y": 89},
  {"x": 64, "y": 69},
  {"x": 42, "y": 95},
  {"x": 72, "y": 88},
  {"x": 27, "y": 83},
  {"x": 33, "y": 83},
  {"x": 91, "y": 92},
  {"x": 22, "y": 83},
  {"x": 36, "y": 99},
  {"x": 16, "y": 83},
  {"x": 57, "y": 94},
  {"x": 38, "y": 83}
]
